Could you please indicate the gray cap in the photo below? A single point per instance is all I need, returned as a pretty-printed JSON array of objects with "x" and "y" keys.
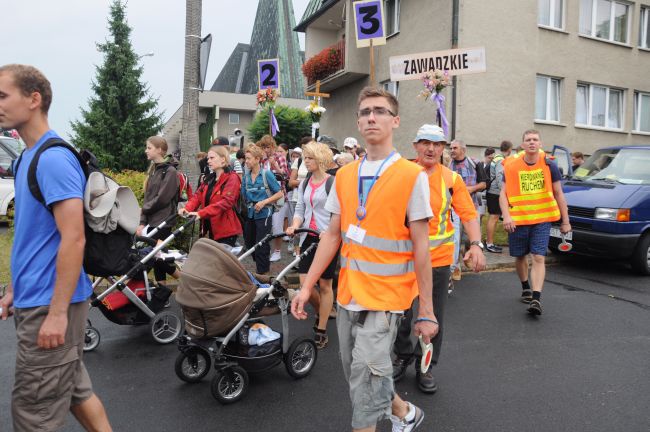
[{"x": 330, "y": 141}]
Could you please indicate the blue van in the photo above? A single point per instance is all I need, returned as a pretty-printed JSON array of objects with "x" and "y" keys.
[{"x": 609, "y": 204}]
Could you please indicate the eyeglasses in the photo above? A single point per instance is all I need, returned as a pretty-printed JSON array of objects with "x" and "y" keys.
[{"x": 377, "y": 111}]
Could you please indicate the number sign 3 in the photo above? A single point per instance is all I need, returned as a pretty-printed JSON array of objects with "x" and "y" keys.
[
  {"x": 368, "y": 15},
  {"x": 268, "y": 72}
]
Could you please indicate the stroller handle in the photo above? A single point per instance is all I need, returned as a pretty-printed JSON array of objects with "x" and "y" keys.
[
  {"x": 297, "y": 231},
  {"x": 308, "y": 231}
]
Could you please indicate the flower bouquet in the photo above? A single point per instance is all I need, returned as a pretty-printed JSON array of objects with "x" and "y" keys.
[
  {"x": 265, "y": 100},
  {"x": 315, "y": 111},
  {"x": 435, "y": 81}
]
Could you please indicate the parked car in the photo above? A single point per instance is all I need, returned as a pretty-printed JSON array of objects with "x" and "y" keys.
[
  {"x": 609, "y": 205},
  {"x": 8, "y": 152}
]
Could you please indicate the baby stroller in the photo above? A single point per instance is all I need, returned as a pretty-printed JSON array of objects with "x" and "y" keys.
[
  {"x": 134, "y": 300},
  {"x": 221, "y": 301}
]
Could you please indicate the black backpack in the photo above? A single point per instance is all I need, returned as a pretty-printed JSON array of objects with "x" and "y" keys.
[{"x": 105, "y": 254}]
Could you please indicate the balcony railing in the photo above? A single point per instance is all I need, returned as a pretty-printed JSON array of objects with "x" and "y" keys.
[{"x": 326, "y": 63}]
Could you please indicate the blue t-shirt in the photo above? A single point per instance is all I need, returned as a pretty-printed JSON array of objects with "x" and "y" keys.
[
  {"x": 36, "y": 237},
  {"x": 254, "y": 192}
]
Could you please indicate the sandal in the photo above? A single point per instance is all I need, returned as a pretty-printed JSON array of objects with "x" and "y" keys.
[{"x": 321, "y": 339}]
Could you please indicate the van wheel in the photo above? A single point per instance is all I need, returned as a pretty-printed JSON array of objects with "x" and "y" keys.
[{"x": 641, "y": 257}]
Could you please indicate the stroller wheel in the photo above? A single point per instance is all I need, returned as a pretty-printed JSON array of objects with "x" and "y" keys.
[
  {"x": 229, "y": 384},
  {"x": 166, "y": 326},
  {"x": 301, "y": 357},
  {"x": 91, "y": 339},
  {"x": 192, "y": 365}
]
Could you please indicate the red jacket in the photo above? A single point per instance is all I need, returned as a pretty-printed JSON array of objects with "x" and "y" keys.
[{"x": 219, "y": 211}]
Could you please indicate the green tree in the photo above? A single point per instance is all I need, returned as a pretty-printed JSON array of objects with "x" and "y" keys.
[
  {"x": 294, "y": 124},
  {"x": 121, "y": 113}
]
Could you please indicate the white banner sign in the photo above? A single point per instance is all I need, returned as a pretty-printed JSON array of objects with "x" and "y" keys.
[{"x": 455, "y": 62}]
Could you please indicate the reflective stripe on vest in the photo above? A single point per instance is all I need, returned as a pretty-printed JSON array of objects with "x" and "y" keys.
[
  {"x": 382, "y": 244},
  {"x": 376, "y": 268}
]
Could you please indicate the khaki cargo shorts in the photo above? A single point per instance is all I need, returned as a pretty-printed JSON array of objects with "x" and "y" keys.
[
  {"x": 48, "y": 382},
  {"x": 366, "y": 341}
]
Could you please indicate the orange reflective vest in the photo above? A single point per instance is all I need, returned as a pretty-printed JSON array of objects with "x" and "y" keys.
[
  {"x": 441, "y": 228},
  {"x": 378, "y": 274},
  {"x": 530, "y": 192}
]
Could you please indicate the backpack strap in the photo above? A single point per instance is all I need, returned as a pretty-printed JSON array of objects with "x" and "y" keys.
[
  {"x": 328, "y": 183},
  {"x": 32, "y": 180}
]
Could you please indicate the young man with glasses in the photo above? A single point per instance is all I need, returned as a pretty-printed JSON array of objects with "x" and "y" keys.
[
  {"x": 385, "y": 251},
  {"x": 447, "y": 191}
]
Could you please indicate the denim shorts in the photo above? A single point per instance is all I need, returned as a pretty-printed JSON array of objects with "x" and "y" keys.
[{"x": 529, "y": 239}]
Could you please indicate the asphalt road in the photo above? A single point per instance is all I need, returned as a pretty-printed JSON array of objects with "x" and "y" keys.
[{"x": 582, "y": 366}]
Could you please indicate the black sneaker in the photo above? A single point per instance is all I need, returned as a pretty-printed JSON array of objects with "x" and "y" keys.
[
  {"x": 426, "y": 381},
  {"x": 399, "y": 368},
  {"x": 526, "y": 296},
  {"x": 535, "y": 307},
  {"x": 493, "y": 248}
]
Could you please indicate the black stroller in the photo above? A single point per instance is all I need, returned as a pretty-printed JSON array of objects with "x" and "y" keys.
[
  {"x": 221, "y": 301},
  {"x": 133, "y": 299}
]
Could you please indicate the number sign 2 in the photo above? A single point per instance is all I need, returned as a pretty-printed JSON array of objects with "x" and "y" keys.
[
  {"x": 369, "y": 19},
  {"x": 268, "y": 73}
]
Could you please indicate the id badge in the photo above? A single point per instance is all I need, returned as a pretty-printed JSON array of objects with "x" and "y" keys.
[{"x": 356, "y": 233}]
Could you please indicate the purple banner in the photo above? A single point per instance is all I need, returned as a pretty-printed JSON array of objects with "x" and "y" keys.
[
  {"x": 368, "y": 19},
  {"x": 268, "y": 74},
  {"x": 275, "y": 128}
]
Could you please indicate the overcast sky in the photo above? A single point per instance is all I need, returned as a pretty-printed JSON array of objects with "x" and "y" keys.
[{"x": 59, "y": 37}]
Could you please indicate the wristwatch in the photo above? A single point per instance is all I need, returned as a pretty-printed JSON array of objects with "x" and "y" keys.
[{"x": 477, "y": 243}]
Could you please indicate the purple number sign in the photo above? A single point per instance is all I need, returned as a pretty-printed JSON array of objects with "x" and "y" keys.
[
  {"x": 369, "y": 22},
  {"x": 268, "y": 72}
]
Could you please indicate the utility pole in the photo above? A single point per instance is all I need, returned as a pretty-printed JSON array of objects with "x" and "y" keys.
[{"x": 189, "y": 145}]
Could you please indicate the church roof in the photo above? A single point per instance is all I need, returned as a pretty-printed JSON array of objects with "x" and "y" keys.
[{"x": 272, "y": 37}]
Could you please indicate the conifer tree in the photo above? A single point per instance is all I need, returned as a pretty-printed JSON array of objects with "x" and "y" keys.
[{"x": 121, "y": 114}]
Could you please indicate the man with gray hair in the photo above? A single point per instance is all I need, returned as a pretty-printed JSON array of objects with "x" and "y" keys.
[{"x": 475, "y": 179}]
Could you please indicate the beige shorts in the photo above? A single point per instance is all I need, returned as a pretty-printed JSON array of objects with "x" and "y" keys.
[
  {"x": 365, "y": 355},
  {"x": 48, "y": 382}
]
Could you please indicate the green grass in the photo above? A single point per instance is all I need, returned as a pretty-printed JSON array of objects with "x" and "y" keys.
[
  {"x": 6, "y": 239},
  {"x": 500, "y": 235}
]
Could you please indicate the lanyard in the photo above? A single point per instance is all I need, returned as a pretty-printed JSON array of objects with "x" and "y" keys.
[{"x": 361, "y": 210}]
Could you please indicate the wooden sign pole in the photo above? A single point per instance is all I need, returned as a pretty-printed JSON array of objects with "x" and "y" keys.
[{"x": 372, "y": 64}]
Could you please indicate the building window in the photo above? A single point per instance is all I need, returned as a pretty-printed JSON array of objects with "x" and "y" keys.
[
  {"x": 641, "y": 112},
  {"x": 644, "y": 30},
  {"x": 551, "y": 13},
  {"x": 391, "y": 10},
  {"x": 599, "y": 106},
  {"x": 233, "y": 118},
  {"x": 392, "y": 87},
  {"x": 605, "y": 19},
  {"x": 547, "y": 99}
]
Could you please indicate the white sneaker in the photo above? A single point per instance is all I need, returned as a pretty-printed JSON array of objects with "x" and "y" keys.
[
  {"x": 410, "y": 422},
  {"x": 276, "y": 255}
]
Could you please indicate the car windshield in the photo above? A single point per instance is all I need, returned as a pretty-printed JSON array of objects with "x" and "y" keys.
[{"x": 626, "y": 166}]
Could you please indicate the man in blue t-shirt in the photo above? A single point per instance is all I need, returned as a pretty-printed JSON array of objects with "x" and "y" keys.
[{"x": 49, "y": 290}]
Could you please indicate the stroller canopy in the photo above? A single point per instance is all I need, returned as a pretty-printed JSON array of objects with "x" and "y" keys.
[{"x": 214, "y": 284}]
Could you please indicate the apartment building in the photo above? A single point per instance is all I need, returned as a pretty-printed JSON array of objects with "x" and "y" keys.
[{"x": 576, "y": 70}]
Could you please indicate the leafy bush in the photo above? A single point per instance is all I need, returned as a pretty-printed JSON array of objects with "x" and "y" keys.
[{"x": 294, "y": 124}]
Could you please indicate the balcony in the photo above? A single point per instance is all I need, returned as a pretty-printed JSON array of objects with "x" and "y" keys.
[{"x": 329, "y": 67}]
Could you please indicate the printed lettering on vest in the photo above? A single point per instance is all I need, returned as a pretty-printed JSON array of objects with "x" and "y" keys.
[{"x": 531, "y": 182}]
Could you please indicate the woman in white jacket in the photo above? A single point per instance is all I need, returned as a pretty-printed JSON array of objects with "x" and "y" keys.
[{"x": 310, "y": 213}]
